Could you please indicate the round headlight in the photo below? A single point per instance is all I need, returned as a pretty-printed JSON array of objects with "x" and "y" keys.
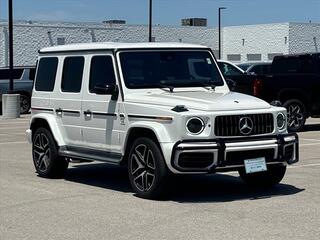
[
  {"x": 281, "y": 121},
  {"x": 195, "y": 125}
]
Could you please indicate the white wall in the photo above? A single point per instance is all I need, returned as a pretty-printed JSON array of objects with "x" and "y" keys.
[
  {"x": 256, "y": 39},
  {"x": 29, "y": 38},
  {"x": 264, "y": 39},
  {"x": 304, "y": 37}
]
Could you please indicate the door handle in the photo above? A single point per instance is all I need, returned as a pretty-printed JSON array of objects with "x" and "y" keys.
[
  {"x": 59, "y": 111},
  {"x": 88, "y": 113}
]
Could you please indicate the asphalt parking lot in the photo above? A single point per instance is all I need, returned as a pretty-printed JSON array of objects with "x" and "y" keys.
[{"x": 94, "y": 201}]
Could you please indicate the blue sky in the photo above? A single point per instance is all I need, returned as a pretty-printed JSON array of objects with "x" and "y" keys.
[{"x": 166, "y": 12}]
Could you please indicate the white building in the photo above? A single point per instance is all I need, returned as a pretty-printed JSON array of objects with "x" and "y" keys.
[
  {"x": 262, "y": 42},
  {"x": 239, "y": 43}
]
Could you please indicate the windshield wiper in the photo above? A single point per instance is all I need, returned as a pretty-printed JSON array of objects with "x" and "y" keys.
[
  {"x": 208, "y": 83},
  {"x": 165, "y": 85}
]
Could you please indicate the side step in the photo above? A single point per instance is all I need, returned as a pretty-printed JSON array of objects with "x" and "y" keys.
[{"x": 89, "y": 155}]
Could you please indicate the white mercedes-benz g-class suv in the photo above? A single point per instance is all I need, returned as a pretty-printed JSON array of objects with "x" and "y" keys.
[{"x": 159, "y": 108}]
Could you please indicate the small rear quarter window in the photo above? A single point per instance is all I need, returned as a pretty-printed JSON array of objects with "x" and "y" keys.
[{"x": 46, "y": 74}]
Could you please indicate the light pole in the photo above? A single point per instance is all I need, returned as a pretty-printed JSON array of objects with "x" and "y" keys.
[
  {"x": 10, "y": 101},
  {"x": 10, "y": 46},
  {"x": 150, "y": 20},
  {"x": 220, "y": 8}
]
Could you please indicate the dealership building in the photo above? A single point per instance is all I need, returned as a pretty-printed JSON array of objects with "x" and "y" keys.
[{"x": 240, "y": 44}]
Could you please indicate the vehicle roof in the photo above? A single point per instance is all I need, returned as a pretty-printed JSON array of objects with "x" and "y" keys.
[
  {"x": 297, "y": 55},
  {"x": 117, "y": 46}
]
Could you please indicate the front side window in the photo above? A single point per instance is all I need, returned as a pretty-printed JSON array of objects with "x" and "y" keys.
[
  {"x": 171, "y": 69},
  {"x": 72, "y": 74},
  {"x": 101, "y": 72},
  {"x": 228, "y": 69},
  {"x": 46, "y": 74}
]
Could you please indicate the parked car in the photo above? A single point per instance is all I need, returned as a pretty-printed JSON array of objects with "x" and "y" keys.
[
  {"x": 158, "y": 108},
  {"x": 241, "y": 81},
  {"x": 23, "y": 81},
  {"x": 259, "y": 68}
]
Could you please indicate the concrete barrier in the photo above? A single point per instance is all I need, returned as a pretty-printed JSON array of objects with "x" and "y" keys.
[{"x": 10, "y": 106}]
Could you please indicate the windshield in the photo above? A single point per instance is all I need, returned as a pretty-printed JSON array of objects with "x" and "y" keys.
[
  {"x": 244, "y": 66},
  {"x": 160, "y": 69}
]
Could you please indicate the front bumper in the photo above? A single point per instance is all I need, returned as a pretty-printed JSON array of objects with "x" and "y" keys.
[{"x": 229, "y": 154}]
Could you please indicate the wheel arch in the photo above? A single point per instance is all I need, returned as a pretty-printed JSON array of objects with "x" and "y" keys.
[
  {"x": 154, "y": 131},
  {"x": 43, "y": 120},
  {"x": 298, "y": 94}
]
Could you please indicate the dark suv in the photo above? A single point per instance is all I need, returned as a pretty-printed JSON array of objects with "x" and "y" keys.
[{"x": 23, "y": 82}]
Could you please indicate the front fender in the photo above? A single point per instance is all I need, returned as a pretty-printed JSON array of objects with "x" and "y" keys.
[
  {"x": 158, "y": 128},
  {"x": 51, "y": 120}
]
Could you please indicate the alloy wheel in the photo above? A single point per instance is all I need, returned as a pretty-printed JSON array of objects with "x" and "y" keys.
[
  {"x": 143, "y": 167},
  {"x": 41, "y": 152},
  {"x": 295, "y": 116},
  {"x": 24, "y": 104}
]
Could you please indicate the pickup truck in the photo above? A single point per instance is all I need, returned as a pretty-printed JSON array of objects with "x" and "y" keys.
[
  {"x": 294, "y": 83},
  {"x": 23, "y": 82}
]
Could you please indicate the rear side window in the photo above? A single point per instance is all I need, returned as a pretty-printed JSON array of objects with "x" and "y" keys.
[
  {"x": 286, "y": 65},
  {"x": 5, "y": 74},
  {"x": 46, "y": 74},
  {"x": 72, "y": 74},
  {"x": 101, "y": 72}
]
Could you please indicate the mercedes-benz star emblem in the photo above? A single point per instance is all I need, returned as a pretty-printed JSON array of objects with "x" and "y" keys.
[{"x": 245, "y": 125}]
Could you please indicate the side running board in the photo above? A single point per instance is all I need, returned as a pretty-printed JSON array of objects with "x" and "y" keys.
[{"x": 85, "y": 154}]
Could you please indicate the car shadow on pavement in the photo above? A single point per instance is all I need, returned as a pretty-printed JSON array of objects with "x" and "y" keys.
[
  {"x": 100, "y": 175},
  {"x": 311, "y": 128},
  {"x": 223, "y": 188},
  {"x": 183, "y": 189}
]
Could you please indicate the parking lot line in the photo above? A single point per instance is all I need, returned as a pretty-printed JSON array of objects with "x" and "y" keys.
[
  {"x": 309, "y": 144},
  {"x": 310, "y": 139},
  {"x": 12, "y": 134},
  {"x": 305, "y": 165},
  {"x": 8, "y": 128},
  {"x": 18, "y": 142}
]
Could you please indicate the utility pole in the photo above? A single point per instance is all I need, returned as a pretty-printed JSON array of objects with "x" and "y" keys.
[
  {"x": 220, "y": 8},
  {"x": 10, "y": 47},
  {"x": 150, "y": 20}
]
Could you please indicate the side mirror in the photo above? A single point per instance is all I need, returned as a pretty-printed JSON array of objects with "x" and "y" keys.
[
  {"x": 107, "y": 90},
  {"x": 231, "y": 84}
]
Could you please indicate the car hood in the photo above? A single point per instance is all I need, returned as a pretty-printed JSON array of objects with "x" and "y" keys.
[{"x": 200, "y": 100}]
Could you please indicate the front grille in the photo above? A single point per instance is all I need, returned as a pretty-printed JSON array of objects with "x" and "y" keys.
[
  {"x": 237, "y": 158},
  {"x": 227, "y": 126},
  {"x": 195, "y": 160}
]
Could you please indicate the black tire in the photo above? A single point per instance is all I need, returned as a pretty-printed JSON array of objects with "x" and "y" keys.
[
  {"x": 147, "y": 171},
  {"x": 25, "y": 103},
  {"x": 45, "y": 155},
  {"x": 297, "y": 114},
  {"x": 269, "y": 178}
]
